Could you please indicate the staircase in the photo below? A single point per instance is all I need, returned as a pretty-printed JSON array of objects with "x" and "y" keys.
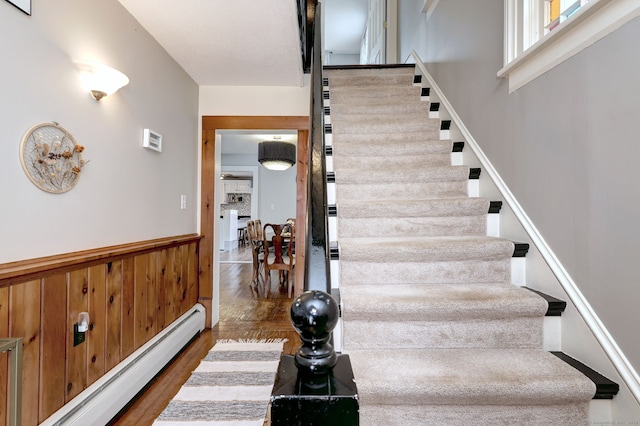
[{"x": 435, "y": 329}]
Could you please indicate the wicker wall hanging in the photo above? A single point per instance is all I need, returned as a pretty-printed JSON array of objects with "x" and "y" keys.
[{"x": 51, "y": 158}]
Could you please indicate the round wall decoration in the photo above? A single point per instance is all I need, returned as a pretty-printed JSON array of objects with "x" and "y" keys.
[{"x": 51, "y": 158}]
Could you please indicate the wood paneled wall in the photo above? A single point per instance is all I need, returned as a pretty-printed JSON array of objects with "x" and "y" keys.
[{"x": 132, "y": 292}]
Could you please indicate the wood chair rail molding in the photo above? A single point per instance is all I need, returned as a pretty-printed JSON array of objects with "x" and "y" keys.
[
  {"x": 25, "y": 270},
  {"x": 209, "y": 126}
]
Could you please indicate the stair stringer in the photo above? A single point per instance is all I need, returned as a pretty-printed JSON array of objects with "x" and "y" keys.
[{"x": 579, "y": 331}]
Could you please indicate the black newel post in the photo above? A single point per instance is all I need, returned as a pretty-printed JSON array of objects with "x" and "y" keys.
[{"x": 316, "y": 386}]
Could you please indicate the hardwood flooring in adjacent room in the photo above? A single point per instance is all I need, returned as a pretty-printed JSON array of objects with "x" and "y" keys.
[{"x": 242, "y": 316}]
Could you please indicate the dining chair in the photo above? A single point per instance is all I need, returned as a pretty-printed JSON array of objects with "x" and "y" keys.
[
  {"x": 254, "y": 231},
  {"x": 279, "y": 255}
]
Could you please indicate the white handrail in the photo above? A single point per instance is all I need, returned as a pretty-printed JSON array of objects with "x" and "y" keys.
[{"x": 606, "y": 341}]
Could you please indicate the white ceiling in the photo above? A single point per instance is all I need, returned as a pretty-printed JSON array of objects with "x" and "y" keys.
[{"x": 244, "y": 42}]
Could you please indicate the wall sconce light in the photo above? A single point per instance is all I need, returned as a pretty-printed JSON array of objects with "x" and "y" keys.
[
  {"x": 276, "y": 155},
  {"x": 101, "y": 80}
]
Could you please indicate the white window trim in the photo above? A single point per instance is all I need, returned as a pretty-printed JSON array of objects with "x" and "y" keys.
[{"x": 583, "y": 29}]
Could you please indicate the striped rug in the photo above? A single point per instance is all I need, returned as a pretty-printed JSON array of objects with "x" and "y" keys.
[{"x": 231, "y": 386}]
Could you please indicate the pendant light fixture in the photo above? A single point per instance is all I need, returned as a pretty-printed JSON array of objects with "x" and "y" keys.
[{"x": 276, "y": 155}]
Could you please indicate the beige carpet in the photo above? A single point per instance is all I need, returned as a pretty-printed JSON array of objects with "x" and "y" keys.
[{"x": 436, "y": 333}]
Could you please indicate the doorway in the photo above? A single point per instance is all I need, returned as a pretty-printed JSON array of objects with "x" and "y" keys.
[{"x": 209, "y": 175}]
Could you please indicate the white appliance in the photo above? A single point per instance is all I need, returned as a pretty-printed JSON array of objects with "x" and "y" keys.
[{"x": 229, "y": 230}]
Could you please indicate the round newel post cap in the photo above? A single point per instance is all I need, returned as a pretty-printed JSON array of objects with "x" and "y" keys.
[{"x": 314, "y": 315}]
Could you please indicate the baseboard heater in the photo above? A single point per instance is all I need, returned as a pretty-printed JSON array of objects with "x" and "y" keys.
[{"x": 104, "y": 399}]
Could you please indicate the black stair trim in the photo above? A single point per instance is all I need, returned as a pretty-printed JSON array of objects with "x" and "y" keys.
[
  {"x": 458, "y": 146},
  {"x": 605, "y": 388},
  {"x": 520, "y": 249},
  {"x": 555, "y": 306},
  {"x": 332, "y": 210},
  {"x": 325, "y": 82},
  {"x": 495, "y": 207},
  {"x": 474, "y": 172},
  {"x": 331, "y": 177},
  {"x": 325, "y": 95},
  {"x": 328, "y": 150},
  {"x": 445, "y": 125},
  {"x": 425, "y": 91},
  {"x": 434, "y": 106},
  {"x": 327, "y": 110},
  {"x": 327, "y": 128},
  {"x": 334, "y": 251},
  {"x": 417, "y": 79},
  {"x": 366, "y": 66}
]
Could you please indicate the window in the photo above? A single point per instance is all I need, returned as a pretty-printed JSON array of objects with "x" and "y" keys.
[
  {"x": 556, "y": 11},
  {"x": 540, "y": 34}
]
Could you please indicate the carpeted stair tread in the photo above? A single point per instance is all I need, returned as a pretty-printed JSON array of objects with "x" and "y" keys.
[
  {"x": 402, "y": 79},
  {"x": 399, "y": 191},
  {"x": 461, "y": 376},
  {"x": 414, "y": 175},
  {"x": 417, "y": 217},
  {"x": 415, "y": 208},
  {"x": 393, "y": 161},
  {"x": 405, "y": 143},
  {"x": 354, "y": 118},
  {"x": 410, "y": 302},
  {"x": 425, "y": 249},
  {"x": 477, "y": 315},
  {"x": 365, "y": 95},
  {"x": 463, "y": 333},
  {"x": 430, "y": 226},
  {"x": 370, "y": 271},
  {"x": 344, "y": 111},
  {"x": 371, "y": 125},
  {"x": 456, "y": 415}
]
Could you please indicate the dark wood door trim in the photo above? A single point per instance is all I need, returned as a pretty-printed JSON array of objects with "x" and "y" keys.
[{"x": 207, "y": 189}]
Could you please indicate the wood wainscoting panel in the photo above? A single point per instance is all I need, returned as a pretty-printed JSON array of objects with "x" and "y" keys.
[
  {"x": 172, "y": 304},
  {"x": 192, "y": 276},
  {"x": 131, "y": 293},
  {"x": 53, "y": 344},
  {"x": 96, "y": 336},
  {"x": 114, "y": 314},
  {"x": 178, "y": 285},
  {"x": 161, "y": 274},
  {"x": 128, "y": 308},
  {"x": 25, "y": 322},
  {"x": 78, "y": 295},
  {"x": 140, "y": 301},
  {"x": 152, "y": 295}
]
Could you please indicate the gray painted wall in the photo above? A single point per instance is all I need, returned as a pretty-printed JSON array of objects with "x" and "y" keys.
[
  {"x": 125, "y": 193},
  {"x": 566, "y": 144}
]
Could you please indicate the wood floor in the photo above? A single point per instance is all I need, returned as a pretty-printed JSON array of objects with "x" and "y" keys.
[{"x": 242, "y": 316}]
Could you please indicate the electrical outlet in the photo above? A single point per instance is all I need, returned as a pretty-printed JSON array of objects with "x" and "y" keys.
[
  {"x": 78, "y": 336},
  {"x": 183, "y": 202}
]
